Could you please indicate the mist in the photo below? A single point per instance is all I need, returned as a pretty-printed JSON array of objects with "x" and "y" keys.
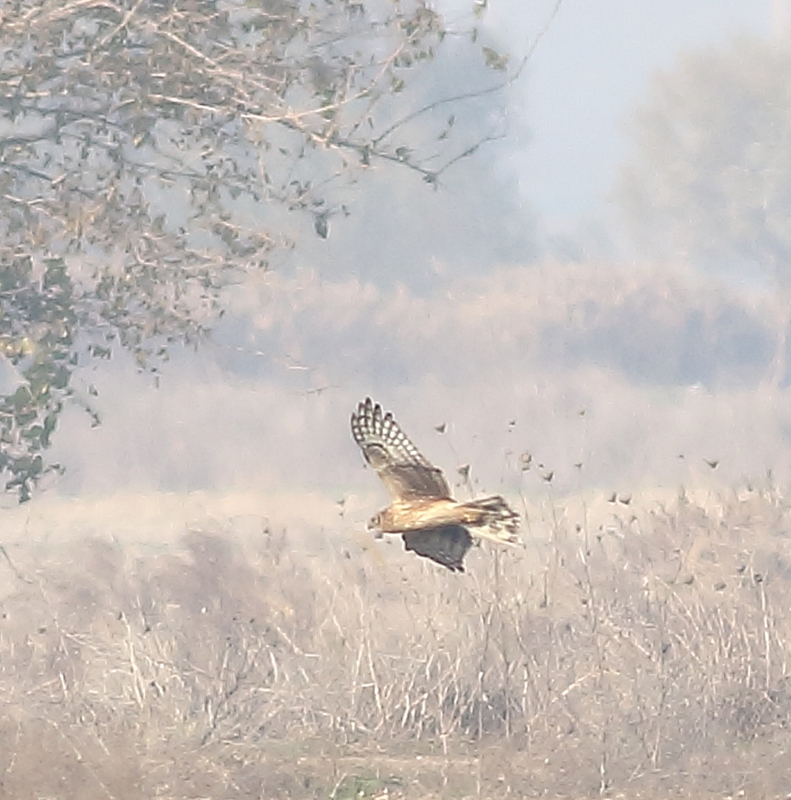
[{"x": 585, "y": 312}]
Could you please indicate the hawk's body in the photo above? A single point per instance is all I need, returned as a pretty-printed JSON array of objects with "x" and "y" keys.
[{"x": 430, "y": 521}]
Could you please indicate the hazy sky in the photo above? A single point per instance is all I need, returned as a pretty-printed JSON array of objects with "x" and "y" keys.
[{"x": 589, "y": 70}]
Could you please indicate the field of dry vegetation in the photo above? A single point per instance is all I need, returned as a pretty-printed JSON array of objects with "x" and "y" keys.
[
  {"x": 635, "y": 649},
  {"x": 637, "y": 646}
]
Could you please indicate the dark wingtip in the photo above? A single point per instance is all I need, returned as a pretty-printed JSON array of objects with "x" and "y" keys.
[{"x": 361, "y": 407}]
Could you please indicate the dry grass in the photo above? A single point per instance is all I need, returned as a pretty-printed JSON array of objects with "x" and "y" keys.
[{"x": 642, "y": 655}]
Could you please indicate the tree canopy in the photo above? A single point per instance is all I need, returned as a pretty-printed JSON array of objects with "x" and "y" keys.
[
  {"x": 148, "y": 149},
  {"x": 710, "y": 175}
]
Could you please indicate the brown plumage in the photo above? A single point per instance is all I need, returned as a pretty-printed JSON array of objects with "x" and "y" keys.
[{"x": 430, "y": 521}]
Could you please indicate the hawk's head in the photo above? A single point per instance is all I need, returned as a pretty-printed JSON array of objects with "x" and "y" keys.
[{"x": 374, "y": 526}]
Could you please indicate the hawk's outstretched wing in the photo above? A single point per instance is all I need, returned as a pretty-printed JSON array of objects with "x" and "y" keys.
[
  {"x": 404, "y": 470},
  {"x": 446, "y": 545}
]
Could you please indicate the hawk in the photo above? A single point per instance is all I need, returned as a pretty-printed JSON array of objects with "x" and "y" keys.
[{"x": 430, "y": 521}]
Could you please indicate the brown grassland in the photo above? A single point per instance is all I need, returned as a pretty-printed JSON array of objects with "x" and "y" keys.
[
  {"x": 263, "y": 646},
  {"x": 636, "y": 649}
]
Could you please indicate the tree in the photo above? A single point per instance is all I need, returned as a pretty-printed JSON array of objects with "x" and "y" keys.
[
  {"x": 148, "y": 152},
  {"x": 710, "y": 177}
]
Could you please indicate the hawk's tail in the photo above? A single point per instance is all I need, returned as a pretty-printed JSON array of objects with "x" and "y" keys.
[{"x": 493, "y": 519}]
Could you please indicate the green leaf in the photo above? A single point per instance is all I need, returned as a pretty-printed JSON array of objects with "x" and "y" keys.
[{"x": 495, "y": 60}]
